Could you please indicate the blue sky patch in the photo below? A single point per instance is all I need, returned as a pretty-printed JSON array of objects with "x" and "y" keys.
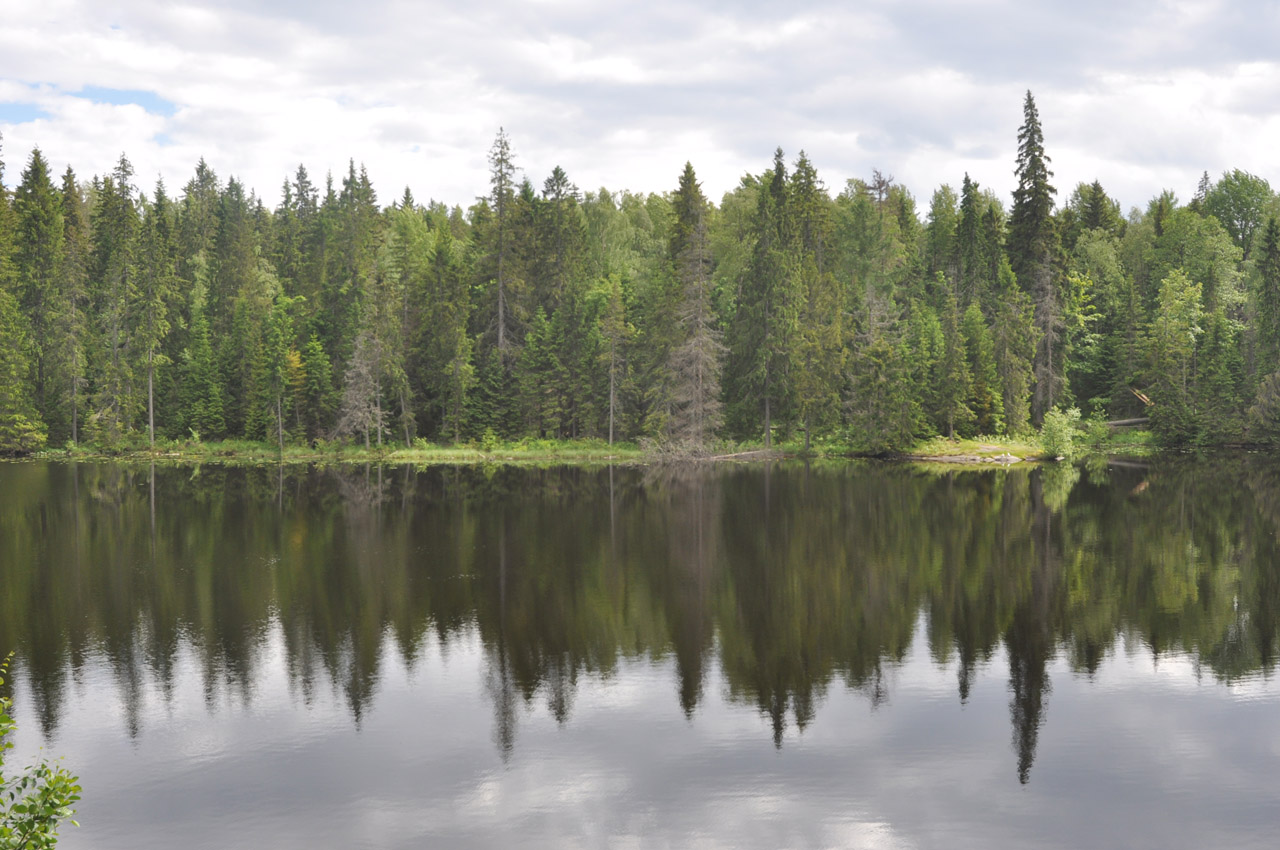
[
  {"x": 20, "y": 113},
  {"x": 150, "y": 101}
]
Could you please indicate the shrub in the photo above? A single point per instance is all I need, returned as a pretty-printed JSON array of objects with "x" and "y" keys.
[
  {"x": 33, "y": 801},
  {"x": 1058, "y": 432}
]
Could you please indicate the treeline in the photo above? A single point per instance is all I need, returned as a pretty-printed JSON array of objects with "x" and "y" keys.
[{"x": 550, "y": 312}]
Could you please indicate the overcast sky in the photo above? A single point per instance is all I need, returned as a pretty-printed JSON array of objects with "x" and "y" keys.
[{"x": 1140, "y": 95}]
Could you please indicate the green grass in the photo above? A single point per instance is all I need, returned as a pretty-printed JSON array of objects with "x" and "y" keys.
[
  {"x": 1023, "y": 447},
  {"x": 422, "y": 452},
  {"x": 1122, "y": 442}
]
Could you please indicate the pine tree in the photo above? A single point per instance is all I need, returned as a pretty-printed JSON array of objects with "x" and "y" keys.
[
  {"x": 72, "y": 329},
  {"x": 820, "y": 357},
  {"x": 537, "y": 373},
  {"x": 1267, "y": 299},
  {"x": 1032, "y": 246},
  {"x": 200, "y": 391},
  {"x": 1014, "y": 335},
  {"x": 884, "y": 403},
  {"x": 317, "y": 400},
  {"x": 502, "y": 197},
  {"x": 954, "y": 382},
  {"x": 765, "y": 318},
  {"x": 156, "y": 290},
  {"x": 1220, "y": 382},
  {"x": 985, "y": 400},
  {"x": 694, "y": 363},
  {"x": 276, "y": 379},
  {"x": 38, "y": 259},
  {"x": 115, "y": 237},
  {"x": 21, "y": 430},
  {"x": 616, "y": 333},
  {"x": 445, "y": 343}
]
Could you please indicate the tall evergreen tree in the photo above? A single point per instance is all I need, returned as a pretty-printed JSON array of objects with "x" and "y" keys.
[
  {"x": 317, "y": 400},
  {"x": 1014, "y": 336},
  {"x": 953, "y": 384},
  {"x": 1032, "y": 246},
  {"x": 820, "y": 356},
  {"x": 446, "y": 327},
  {"x": 115, "y": 237},
  {"x": 765, "y": 317},
  {"x": 156, "y": 292},
  {"x": 985, "y": 401},
  {"x": 694, "y": 363},
  {"x": 200, "y": 390},
  {"x": 38, "y": 259},
  {"x": 72, "y": 330},
  {"x": 1267, "y": 300},
  {"x": 502, "y": 197}
]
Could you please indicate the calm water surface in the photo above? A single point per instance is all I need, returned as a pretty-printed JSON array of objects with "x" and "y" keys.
[{"x": 736, "y": 656}]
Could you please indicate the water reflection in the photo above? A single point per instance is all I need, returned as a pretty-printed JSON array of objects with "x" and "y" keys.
[{"x": 790, "y": 581}]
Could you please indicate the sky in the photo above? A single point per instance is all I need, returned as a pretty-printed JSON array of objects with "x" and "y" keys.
[{"x": 1142, "y": 96}]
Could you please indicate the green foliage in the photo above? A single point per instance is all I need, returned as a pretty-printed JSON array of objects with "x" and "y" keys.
[
  {"x": 1057, "y": 434},
  {"x": 546, "y": 311},
  {"x": 985, "y": 399},
  {"x": 1240, "y": 201},
  {"x": 21, "y": 431},
  {"x": 1172, "y": 339},
  {"x": 36, "y": 800}
]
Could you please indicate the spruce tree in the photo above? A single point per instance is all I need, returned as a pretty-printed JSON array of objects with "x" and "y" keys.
[
  {"x": 694, "y": 363},
  {"x": 72, "y": 328},
  {"x": 820, "y": 358},
  {"x": 1267, "y": 300},
  {"x": 38, "y": 259},
  {"x": 985, "y": 400},
  {"x": 318, "y": 397},
  {"x": 156, "y": 290},
  {"x": 765, "y": 316},
  {"x": 200, "y": 391},
  {"x": 115, "y": 248},
  {"x": 953, "y": 382},
  {"x": 1032, "y": 245},
  {"x": 21, "y": 430}
]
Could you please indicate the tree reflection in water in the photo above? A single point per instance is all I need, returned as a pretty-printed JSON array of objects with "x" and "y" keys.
[{"x": 794, "y": 578}]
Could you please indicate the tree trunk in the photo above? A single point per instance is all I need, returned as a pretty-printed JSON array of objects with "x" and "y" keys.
[
  {"x": 768, "y": 423},
  {"x": 279, "y": 425},
  {"x": 151, "y": 400},
  {"x": 404, "y": 416},
  {"x": 612, "y": 379}
]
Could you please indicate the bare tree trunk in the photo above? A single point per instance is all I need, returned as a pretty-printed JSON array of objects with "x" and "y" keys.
[
  {"x": 279, "y": 424},
  {"x": 612, "y": 379},
  {"x": 151, "y": 400},
  {"x": 404, "y": 416},
  {"x": 768, "y": 423}
]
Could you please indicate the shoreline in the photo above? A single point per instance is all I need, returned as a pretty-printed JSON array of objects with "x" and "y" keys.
[{"x": 932, "y": 452}]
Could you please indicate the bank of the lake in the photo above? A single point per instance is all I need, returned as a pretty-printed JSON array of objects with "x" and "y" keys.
[{"x": 1125, "y": 443}]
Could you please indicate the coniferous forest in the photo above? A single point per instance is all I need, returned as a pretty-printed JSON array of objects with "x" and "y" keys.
[{"x": 546, "y": 311}]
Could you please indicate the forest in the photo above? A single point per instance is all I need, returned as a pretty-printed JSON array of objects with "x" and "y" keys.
[{"x": 785, "y": 311}]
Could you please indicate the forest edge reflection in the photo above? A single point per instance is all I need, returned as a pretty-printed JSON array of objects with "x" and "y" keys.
[{"x": 797, "y": 578}]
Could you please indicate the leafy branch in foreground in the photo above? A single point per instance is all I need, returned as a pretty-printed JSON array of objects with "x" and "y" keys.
[{"x": 34, "y": 801}]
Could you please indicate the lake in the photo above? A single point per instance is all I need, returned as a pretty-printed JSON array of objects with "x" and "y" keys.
[{"x": 737, "y": 656}]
